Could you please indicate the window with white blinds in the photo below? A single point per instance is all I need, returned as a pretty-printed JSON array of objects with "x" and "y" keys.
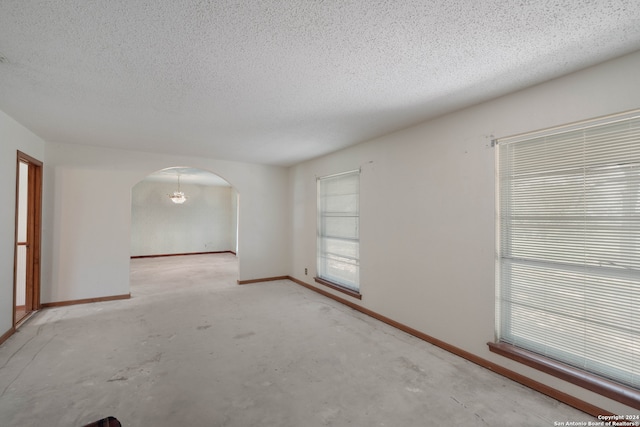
[
  {"x": 569, "y": 245},
  {"x": 338, "y": 229}
]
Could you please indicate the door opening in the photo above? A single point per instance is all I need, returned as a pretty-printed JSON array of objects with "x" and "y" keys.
[{"x": 26, "y": 277}]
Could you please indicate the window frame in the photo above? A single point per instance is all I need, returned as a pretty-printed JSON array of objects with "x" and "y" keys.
[
  {"x": 612, "y": 389},
  {"x": 349, "y": 288}
]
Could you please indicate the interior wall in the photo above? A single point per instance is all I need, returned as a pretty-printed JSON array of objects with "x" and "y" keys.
[
  {"x": 204, "y": 223},
  {"x": 87, "y": 217},
  {"x": 427, "y": 213},
  {"x": 13, "y": 137},
  {"x": 234, "y": 200}
]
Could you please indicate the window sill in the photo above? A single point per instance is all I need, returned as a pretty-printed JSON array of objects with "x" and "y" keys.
[
  {"x": 338, "y": 288},
  {"x": 607, "y": 388}
]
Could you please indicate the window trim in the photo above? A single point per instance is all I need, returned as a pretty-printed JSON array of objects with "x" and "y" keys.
[
  {"x": 605, "y": 387},
  {"x": 338, "y": 287}
]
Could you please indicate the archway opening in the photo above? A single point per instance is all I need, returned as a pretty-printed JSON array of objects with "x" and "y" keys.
[{"x": 185, "y": 212}]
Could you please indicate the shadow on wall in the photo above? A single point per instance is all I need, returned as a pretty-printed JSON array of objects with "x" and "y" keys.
[{"x": 183, "y": 210}]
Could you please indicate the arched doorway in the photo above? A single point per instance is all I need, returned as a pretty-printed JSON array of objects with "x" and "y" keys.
[{"x": 184, "y": 211}]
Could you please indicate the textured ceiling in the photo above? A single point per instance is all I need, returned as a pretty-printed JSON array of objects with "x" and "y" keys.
[{"x": 280, "y": 81}]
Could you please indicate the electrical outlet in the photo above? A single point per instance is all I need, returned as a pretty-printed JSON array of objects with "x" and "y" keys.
[{"x": 305, "y": 271}]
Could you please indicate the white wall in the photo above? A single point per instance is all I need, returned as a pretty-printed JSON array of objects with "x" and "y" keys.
[
  {"x": 204, "y": 223},
  {"x": 427, "y": 209},
  {"x": 13, "y": 137},
  {"x": 235, "y": 200},
  {"x": 87, "y": 217}
]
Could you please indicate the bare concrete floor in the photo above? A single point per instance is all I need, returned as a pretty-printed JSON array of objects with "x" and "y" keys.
[{"x": 192, "y": 348}]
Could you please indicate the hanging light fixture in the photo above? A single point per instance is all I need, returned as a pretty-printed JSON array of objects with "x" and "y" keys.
[{"x": 178, "y": 197}]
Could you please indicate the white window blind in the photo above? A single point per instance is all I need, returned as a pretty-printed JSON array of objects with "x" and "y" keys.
[
  {"x": 569, "y": 246},
  {"x": 338, "y": 229}
]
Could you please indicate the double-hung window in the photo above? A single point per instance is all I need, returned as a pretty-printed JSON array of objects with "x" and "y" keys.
[
  {"x": 569, "y": 246},
  {"x": 338, "y": 240}
]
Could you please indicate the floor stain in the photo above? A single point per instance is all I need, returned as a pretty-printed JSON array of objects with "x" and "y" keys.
[
  {"x": 245, "y": 335},
  {"x": 131, "y": 372}
]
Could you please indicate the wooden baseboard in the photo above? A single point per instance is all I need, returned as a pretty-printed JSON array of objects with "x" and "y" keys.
[
  {"x": 519, "y": 378},
  {"x": 183, "y": 254},
  {"x": 85, "y": 301},
  {"x": 266, "y": 279},
  {"x": 6, "y": 335}
]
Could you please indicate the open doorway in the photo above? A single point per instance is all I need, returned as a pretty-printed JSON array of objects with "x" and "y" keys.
[
  {"x": 26, "y": 291},
  {"x": 183, "y": 211}
]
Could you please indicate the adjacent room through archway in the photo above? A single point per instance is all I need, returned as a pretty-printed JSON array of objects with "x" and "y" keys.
[{"x": 184, "y": 216}]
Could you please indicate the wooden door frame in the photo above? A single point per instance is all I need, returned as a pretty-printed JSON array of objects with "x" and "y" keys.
[{"x": 34, "y": 233}]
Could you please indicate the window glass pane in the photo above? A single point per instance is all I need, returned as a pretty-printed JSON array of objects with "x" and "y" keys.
[
  {"x": 338, "y": 229},
  {"x": 345, "y": 227},
  {"x": 342, "y": 248}
]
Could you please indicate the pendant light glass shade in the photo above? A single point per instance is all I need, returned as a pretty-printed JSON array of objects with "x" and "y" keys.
[{"x": 178, "y": 197}]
